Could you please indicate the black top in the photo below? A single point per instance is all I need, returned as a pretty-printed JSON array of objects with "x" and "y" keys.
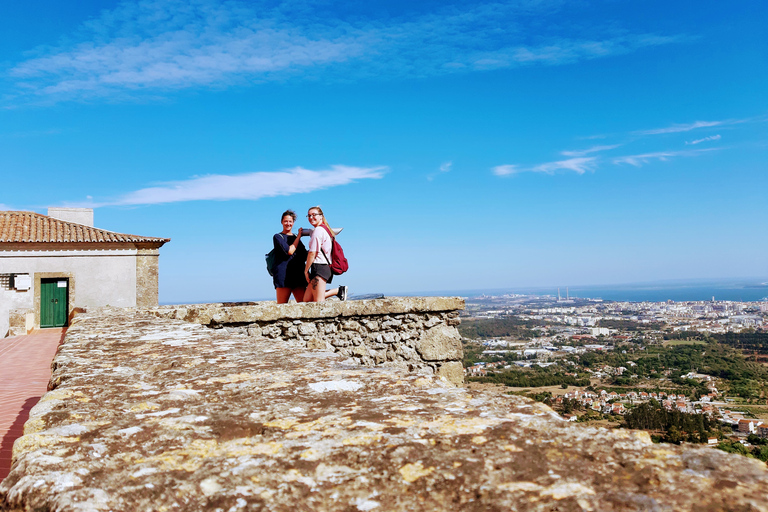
[{"x": 288, "y": 271}]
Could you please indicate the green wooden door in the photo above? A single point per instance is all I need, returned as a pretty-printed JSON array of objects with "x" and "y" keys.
[{"x": 53, "y": 302}]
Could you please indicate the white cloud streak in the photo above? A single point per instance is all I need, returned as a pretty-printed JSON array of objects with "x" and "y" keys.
[
  {"x": 250, "y": 186},
  {"x": 705, "y": 139},
  {"x": 594, "y": 149},
  {"x": 676, "y": 128},
  {"x": 581, "y": 165},
  {"x": 578, "y": 165},
  {"x": 639, "y": 160},
  {"x": 506, "y": 170},
  {"x": 162, "y": 45},
  {"x": 446, "y": 167}
]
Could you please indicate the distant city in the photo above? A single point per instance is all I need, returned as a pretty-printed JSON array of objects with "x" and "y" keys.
[
  {"x": 713, "y": 316},
  {"x": 598, "y": 360}
]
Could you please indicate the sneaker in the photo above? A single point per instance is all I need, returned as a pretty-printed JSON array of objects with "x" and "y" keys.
[{"x": 342, "y": 295}]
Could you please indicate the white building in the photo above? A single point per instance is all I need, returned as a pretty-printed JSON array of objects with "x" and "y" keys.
[{"x": 52, "y": 266}]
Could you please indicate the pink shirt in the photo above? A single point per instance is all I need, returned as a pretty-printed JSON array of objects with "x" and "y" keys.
[{"x": 320, "y": 238}]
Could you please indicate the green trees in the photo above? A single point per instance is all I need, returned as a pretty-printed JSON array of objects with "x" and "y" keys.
[
  {"x": 676, "y": 426},
  {"x": 498, "y": 328},
  {"x": 531, "y": 378},
  {"x": 756, "y": 452}
]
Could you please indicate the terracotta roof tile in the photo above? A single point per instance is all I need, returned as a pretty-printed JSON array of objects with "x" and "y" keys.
[{"x": 30, "y": 227}]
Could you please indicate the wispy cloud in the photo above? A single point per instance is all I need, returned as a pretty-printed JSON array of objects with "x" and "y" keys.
[
  {"x": 639, "y": 160},
  {"x": 444, "y": 167},
  {"x": 506, "y": 170},
  {"x": 5, "y": 207},
  {"x": 593, "y": 149},
  {"x": 581, "y": 164},
  {"x": 676, "y": 128},
  {"x": 705, "y": 139},
  {"x": 578, "y": 165},
  {"x": 150, "y": 47},
  {"x": 250, "y": 186}
]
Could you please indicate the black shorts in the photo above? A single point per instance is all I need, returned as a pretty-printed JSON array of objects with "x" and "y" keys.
[{"x": 322, "y": 271}]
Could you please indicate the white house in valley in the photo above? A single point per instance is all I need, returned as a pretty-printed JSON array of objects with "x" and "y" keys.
[{"x": 53, "y": 265}]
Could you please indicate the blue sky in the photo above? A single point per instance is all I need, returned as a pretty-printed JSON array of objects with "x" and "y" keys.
[{"x": 462, "y": 145}]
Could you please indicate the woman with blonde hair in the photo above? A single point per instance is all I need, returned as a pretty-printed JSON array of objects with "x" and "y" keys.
[{"x": 317, "y": 270}]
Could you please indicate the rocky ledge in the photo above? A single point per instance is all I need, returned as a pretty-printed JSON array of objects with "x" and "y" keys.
[
  {"x": 157, "y": 414},
  {"x": 414, "y": 333}
]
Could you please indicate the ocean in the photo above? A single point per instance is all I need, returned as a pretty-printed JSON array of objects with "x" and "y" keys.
[
  {"x": 744, "y": 290},
  {"x": 747, "y": 290}
]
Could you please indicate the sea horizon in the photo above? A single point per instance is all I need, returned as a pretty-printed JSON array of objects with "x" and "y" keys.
[{"x": 678, "y": 290}]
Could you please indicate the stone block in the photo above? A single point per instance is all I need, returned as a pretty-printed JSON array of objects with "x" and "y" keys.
[
  {"x": 307, "y": 329},
  {"x": 318, "y": 344},
  {"x": 453, "y": 372},
  {"x": 351, "y": 325},
  {"x": 392, "y": 323},
  {"x": 440, "y": 343}
]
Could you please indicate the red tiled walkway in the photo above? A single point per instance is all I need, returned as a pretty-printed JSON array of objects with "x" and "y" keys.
[{"x": 25, "y": 369}]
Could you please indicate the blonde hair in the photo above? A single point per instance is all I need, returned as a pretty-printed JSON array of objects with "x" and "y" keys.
[{"x": 325, "y": 222}]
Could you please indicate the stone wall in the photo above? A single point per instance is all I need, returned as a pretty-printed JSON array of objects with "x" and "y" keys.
[
  {"x": 151, "y": 414},
  {"x": 147, "y": 277},
  {"x": 415, "y": 333}
]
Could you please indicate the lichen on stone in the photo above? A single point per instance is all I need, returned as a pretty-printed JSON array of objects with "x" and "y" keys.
[{"x": 227, "y": 421}]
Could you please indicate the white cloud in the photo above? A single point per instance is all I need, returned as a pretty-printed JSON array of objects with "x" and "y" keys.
[
  {"x": 705, "y": 139},
  {"x": 506, "y": 170},
  {"x": 444, "y": 167},
  {"x": 250, "y": 186},
  {"x": 5, "y": 207},
  {"x": 162, "y": 45},
  {"x": 594, "y": 149},
  {"x": 639, "y": 160},
  {"x": 676, "y": 128},
  {"x": 578, "y": 165}
]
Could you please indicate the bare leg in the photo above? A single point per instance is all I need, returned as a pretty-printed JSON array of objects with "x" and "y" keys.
[
  {"x": 331, "y": 293},
  {"x": 283, "y": 294},
  {"x": 316, "y": 290},
  {"x": 308, "y": 295},
  {"x": 298, "y": 294}
]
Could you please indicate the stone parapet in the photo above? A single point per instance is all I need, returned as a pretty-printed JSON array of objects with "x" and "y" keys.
[
  {"x": 240, "y": 313},
  {"x": 148, "y": 413},
  {"x": 417, "y": 333}
]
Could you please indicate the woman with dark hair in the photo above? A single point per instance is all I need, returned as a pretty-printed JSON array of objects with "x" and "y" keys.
[
  {"x": 290, "y": 255},
  {"x": 317, "y": 270}
]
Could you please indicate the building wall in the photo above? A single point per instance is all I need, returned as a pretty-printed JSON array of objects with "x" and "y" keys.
[
  {"x": 96, "y": 278},
  {"x": 147, "y": 274},
  {"x": 11, "y": 300}
]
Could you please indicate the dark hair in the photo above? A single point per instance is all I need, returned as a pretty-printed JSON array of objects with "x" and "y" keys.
[{"x": 289, "y": 213}]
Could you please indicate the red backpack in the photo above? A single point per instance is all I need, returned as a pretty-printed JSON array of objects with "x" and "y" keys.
[{"x": 339, "y": 263}]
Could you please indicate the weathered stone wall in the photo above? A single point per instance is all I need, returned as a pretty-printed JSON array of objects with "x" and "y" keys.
[
  {"x": 416, "y": 333},
  {"x": 156, "y": 414},
  {"x": 147, "y": 277}
]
